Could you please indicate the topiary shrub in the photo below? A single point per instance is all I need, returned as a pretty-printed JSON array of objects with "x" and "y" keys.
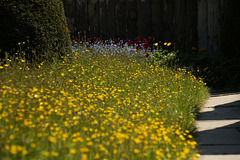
[{"x": 40, "y": 23}]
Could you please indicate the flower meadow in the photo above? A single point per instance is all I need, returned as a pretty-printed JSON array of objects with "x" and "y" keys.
[{"x": 94, "y": 105}]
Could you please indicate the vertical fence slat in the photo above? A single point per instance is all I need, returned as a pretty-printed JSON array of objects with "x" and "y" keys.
[
  {"x": 179, "y": 22},
  {"x": 157, "y": 13},
  {"x": 111, "y": 18},
  {"x": 191, "y": 25},
  {"x": 103, "y": 19},
  {"x": 213, "y": 27},
  {"x": 202, "y": 26},
  {"x": 168, "y": 27},
  {"x": 76, "y": 13},
  {"x": 145, "y": 18},
  {"x": 120, "y": 19},
  {"x": 131, "y": 19},
  {"x": 93, "y": 16}
]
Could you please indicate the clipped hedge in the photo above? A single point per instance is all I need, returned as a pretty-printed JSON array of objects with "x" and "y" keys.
[{"x": 40, "y": 23}]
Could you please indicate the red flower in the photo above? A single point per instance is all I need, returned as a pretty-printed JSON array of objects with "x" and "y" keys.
[
  {"x": 138, "y": 39},
  {"x": 131, "y": 43},
  {"x": 90, "y": 40},
  {"x": 125, "y": 41},
  {"x": 138, "y": 47},
  {"x": 114, "y": 41},
  {"x": 150, "y": 38},
  {"x": 75, "y": 39},
  {"x": 146, "y": 55},
  {"x": 96, "y": 40},
  {"x": 145, "y": 45},
  {"x": 145, "y": 41}
]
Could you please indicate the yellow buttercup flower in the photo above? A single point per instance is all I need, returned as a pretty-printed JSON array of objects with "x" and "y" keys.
[{"x": 73, "y": 151}]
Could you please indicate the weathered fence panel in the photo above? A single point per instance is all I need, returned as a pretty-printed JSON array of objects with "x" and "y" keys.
[
  {"x": 209, "y": 26},
  {"x": 191, "y": 25},
  {"x": 111, "y": 18},
  {"x": 132, "y": 19},
  {"x": 157, "y": 13},
  {"x": 144, "y": 18},
  {"x": 120, "y": 18}
]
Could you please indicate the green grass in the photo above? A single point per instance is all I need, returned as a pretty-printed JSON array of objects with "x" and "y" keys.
[{"x": 96, "y": 106}]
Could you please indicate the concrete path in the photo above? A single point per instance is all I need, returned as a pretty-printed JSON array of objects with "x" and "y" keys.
[{"x": 219, "y": 128}]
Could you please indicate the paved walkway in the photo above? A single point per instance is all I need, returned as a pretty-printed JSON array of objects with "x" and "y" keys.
[{"x": 219, "y": 128}]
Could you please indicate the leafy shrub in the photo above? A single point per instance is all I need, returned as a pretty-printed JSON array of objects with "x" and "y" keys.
[
  {"x": 163, "y": 57},
  {"x": 221, "y": 74},
  {"x": 40, "y": 23},
  {"x": 93, "y": 104}
]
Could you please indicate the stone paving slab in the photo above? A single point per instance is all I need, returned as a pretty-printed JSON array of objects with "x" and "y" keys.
[
  {"x": 220, "y": 157},
  {"x": 222, "y": 100},
  {"x": 219, "y": 149},
  {"x": 213, "y": 124},
  {"x": 219, "y": 136},
  {"x": 219, "y": 128},
  {"x": 220, "y": 113}
]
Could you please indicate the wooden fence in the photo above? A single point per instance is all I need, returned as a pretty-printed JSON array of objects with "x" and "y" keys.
[{"x": 191, "y": 25}]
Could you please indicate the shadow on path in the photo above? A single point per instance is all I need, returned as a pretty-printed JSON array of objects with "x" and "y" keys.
[
  {"x": 226, "y": 111},
  {"x": 219, "y": 129}
]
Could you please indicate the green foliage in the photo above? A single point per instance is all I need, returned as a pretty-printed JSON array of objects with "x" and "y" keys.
[
  {"x": 164, "y": 57},
  {"x": 96, "y": 105},
  {"x": 221, "y": 74},
  {"x": 40, "y": 23}
]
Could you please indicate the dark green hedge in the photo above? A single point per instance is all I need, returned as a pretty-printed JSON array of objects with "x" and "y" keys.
[{"x": 40, "y": 23}]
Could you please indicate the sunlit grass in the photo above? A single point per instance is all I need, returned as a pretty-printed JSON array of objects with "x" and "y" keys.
[{"x": 97, "y": 106}]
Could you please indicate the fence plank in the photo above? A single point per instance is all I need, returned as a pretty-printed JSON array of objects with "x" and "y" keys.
[
  {"x": 93, "y": 18},
  {"x": 180, "y": 22},
  {"x": 202, "y": 26},
  {"x": 111, "y": 18},
  {"x": 157, "y": 23},
  {"x": 213, "y": 27},
  {"x": 191, "y": 26},
  {"x": 103, "y": 19},
  {"x": 131, "y": 16},
  {"x": 168, "y": 27},
  {"x": 120, "y": 19},
  {"x": 144, "y": 18},
  {"x": 76, "y": 14}
]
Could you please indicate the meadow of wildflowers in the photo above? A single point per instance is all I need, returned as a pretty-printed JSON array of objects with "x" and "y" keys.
[{"x": 97, "y": 104}]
